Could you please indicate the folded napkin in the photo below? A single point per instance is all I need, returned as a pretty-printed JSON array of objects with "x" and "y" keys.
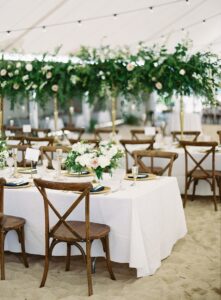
[
  {"x": 17, "y": 183},
  {"x": 141, "y": 175},
  {"x": 97, "y": 188}
]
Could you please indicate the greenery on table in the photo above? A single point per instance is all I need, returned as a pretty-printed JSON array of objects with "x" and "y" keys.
[
  {"x": 3, "y": 153},
  {"x": 104, "y": 72}
]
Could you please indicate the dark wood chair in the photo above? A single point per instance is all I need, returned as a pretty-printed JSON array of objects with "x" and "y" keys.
[
  {"x": 9, "y": 223},
  {"x": 72, "y": 232},
  {"x": 49, "y": 152},
  {"x": 187, "y": 135},
  {"x": 19, "y": 138},
  {"x": 145, "y": 160},
  {"x": 197, "y": 172},
  {"x": 75, "y": 130},
  {"x": 103, "y": 133},
  {"x": 138, "y": 134},
  {"x": 35, "y": 131},
  {"x": 144, "y": 144},
  {"x": 13, "y": 129},
  {"x": 32, "y": 140},
  {"x": 219, "y": 134},
  {"x": 95, "y": 142},
  {"x": 21, "y": 149}
]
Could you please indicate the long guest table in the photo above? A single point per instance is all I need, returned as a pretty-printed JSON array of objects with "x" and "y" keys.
[{"x": 146, "y": 220}]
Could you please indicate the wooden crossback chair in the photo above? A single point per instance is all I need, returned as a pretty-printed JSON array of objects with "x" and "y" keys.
[
  {"x": 9, "y": 223},
  {"x": 148, "y": 144},
  {"x": 137, "y": 134},
  {"x": 103, "y": 133},
  {"x": 95, "y": 142},
  {"x": 168, "y": 157},
  {"x": 19, "y": 138},
  {"x": 32, "y": 140},
  {"x": 219, "y": 134},
  {"x": 188, "y": 135},
  {"x": 198, "y": 172},
  {"x": 14, "y": 129},
  {"x": 72, "y": 232},
  {"x": 36, "y": 131},
  {"x": 21, "y": 149},
  {"x": 75, "y": 130},
  {"x": 49, "y": 152}
]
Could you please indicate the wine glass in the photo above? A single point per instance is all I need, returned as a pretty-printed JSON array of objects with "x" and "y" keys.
[
  {"x": 120, "y": 174},
  {"x": 55, "y": 165},
  {"x": 10, "y": 163},
  {"x": 135, "y": 173}
]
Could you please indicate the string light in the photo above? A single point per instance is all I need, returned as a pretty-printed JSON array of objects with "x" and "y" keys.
[{"x": 98, "y": 17}]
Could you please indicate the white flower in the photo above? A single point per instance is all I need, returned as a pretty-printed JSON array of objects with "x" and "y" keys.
[
  {"x": 48, "y": 75},
  {"x": 94, "y": 163},
  {"x": 74, "y": 79},
  {"x": 54, "y": 88},
  {"x": 153, "y": 79},
  {"x": 15, "y": 86},
  {"x": 69, "y": 68},
  {"x": 29, "y": 67},
  {"x": 130, "y": 67},
  {"x": 155, "y": 64},
  {"x": 81, "y": 148},
  {"x": 16, "y": 72},
  {"x": 3, "y": 84},
  {"x": 18, "y": 65},
  {"x": 103, "y": 161},
  {"x": 34, "y": 86},
  {"x": 3, "y": 72},
  {"x": 10, "y": 74},
  {"x": 25, "y": 77},
  {"x": 159, "y": 85},
  {"x": 85, "y": 159},
  {"x": 46, "y": 68},
  {"x": 182, "y": 72}
]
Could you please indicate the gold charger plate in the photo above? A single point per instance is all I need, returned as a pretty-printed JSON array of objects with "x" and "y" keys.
[
  {"x": 27, "y": 171},
  {"x": 106, "y": 189},
  {"x": 77, "y": 175},
  {"x": 19, "y": 186},
  {"x": 150, "y": 177}
]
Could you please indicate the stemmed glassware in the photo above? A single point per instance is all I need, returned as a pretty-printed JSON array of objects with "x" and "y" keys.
[
  {"x": 10, "y": 163},
  {"x": 135, "y": 174}
]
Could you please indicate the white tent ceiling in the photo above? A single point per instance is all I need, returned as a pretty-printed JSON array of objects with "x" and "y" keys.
[{"x": 125, "y": 29}]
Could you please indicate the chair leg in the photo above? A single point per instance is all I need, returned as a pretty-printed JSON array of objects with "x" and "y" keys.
[
  {"x": 2, "y": 258},
  {"x": 185, "y": 195},
  {"x": 88, "y": 259},
  {"x": 21, "y": 238},
  {"x": 214, "y": 194},
  {"x": 46, "y": 266},
  {"x": 68, "y": 258},
  {"x": 105, "y": 242},
  {"x": 194, "y": 188}
]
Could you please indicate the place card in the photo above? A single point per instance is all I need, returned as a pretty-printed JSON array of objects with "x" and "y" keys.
[
  {"x": 32, "y": 154},
  {"x": 26, "y": 128},
  {"x": 149, "y": 130}
]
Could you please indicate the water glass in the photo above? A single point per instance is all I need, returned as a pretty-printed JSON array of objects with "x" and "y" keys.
[
  {"x": 135, "y": 173},
  {"x": 10, "y": 163}
]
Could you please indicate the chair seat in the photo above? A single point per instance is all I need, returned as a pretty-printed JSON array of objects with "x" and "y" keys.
[
  {"x": 199, "y": 174},
  {"x": 12, "y": 222},
  {"x": 97, "y": 231}
]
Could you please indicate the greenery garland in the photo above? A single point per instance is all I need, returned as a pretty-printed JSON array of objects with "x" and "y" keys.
[{"x": 104, "y": 72}]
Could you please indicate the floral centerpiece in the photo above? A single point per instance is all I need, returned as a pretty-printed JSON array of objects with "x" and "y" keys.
[
  {"x": 3, "y": 154},
  {"x": 84, "y": 156}
]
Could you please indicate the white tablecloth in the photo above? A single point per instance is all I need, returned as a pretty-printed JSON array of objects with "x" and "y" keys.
[{"x": 145, "y": 220}]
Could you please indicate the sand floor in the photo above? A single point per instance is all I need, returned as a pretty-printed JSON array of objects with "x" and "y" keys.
[{"x": 193, "y": 271}]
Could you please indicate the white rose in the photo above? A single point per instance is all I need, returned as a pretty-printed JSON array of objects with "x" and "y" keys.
[
  {"x": 94, "y": 163},
  {"x": 182, "y": 72},
  {"x": 159, "y": 85},
  {"x": 48, "y": 75},
  {"x": 16, "y": 72},
  {"x": 3, "y": 84},
  {"x": 3, "y": 72},
  {"x": 18, "y": 65},
  {"x": 54, "y": 88},
  {"x": 29, "y": 67},
  {"x": 15, "y": 86},
  {"x": 130, "y": 67},
  {"x": 103, "y": 161},
  {"x": 25, "y": 77},
  {"x": 10, "y": 74}
]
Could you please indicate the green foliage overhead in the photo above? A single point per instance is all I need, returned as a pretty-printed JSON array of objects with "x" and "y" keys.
[{"x": 104, "y": 72}]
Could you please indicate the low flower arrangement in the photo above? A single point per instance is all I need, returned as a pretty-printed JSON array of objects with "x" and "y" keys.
[
  {"x": 98, "y": 160},
  {"x": 3, "y": 153}
]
